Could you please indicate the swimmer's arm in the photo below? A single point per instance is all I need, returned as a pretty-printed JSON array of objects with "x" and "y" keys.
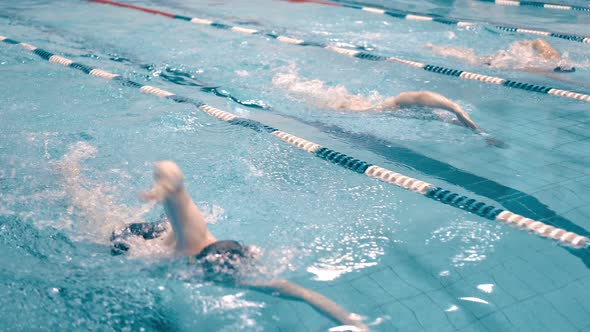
[
  {"x": 554, "y": 76},
  {"x": 429, "y": 99},
  {"x": 319, "y": 302}
]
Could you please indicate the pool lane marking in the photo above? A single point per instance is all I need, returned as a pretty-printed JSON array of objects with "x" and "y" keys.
[
  {"x": 543, "y": 5},
  {"x": 405, "y": 15},
  {"x": 427, "y": 189},
  {"x": 372, "y": 57},
  {"x": 143, "y": 9}
]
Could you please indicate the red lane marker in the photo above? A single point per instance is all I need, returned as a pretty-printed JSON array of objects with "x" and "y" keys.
[
  {"x": 143, "y": 9},
  {"x": 318, "y": 2}
]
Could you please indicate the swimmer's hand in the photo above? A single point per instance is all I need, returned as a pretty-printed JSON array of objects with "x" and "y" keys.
[
  {"x": 491, "y": 141},
  {"x": 168, "y": 179},
  {"x": 496, "y": 143}
]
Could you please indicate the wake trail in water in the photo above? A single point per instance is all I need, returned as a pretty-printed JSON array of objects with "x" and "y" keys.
[
  {"x": 519, "y": 56},
  {"x": 315, "y": 92},
  {"x": 93, "y": 204}
]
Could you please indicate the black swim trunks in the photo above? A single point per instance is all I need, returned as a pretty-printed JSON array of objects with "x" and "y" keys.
[{"x": 220, "y": 260}]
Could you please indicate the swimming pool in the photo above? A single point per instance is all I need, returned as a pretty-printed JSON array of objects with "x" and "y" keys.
[{"x": 76, "y": 150}]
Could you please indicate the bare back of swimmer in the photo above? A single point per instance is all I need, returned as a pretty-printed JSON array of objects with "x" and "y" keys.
[{"x": 220, "y": 259}]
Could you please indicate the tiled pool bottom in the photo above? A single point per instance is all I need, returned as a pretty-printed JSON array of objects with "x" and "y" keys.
[
  {"x": 492, "y": 297},
  {"x": 529, "y": 290}
]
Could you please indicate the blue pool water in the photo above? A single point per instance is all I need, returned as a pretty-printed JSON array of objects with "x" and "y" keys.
[{"x": 76, "y": 150}]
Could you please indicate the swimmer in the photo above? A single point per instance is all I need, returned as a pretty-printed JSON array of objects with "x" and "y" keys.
[
  {"x": 536, "y": 56},
  {"x": 338, "y": 98},
  {"x": 220, "y": 260},
  {"x": 437, "y": 101}
]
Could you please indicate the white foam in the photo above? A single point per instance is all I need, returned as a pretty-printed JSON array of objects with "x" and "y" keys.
[
  {"x": 242, "y": 73},
  {"x": 94, "y": 206},
  {"x": 211, "y": 212},
  {"x": 316, "y": 93},
  {"x": 465, "y": 54},
  {"x": 153, "y": 249},
  {"x": 472, "y": 241},
  {"x": 519, "y": 56},
  {"x": 5, "y": 211},
  {"x": 351, "y": 252}
]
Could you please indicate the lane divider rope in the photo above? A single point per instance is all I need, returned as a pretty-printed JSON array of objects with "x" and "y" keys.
[
  {"x": 368, "y": 56},
  {"x": 424, "y": 188},
  {"x": 545, "y": 5},
  {"x": 405, "y": 15}
]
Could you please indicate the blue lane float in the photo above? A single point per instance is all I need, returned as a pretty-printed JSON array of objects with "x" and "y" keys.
[
  {"x": 366, "y": 56},
  {"x": 424, "y": 188}
]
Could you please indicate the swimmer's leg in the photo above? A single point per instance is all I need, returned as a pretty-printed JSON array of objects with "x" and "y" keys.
[{"x": 319, "y": 302}]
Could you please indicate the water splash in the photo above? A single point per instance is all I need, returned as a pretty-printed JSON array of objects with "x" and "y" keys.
[
  {"x": 352, "y": 252},
  {"x": 519, "y": 56},
  {"x": 315, "y": 92},
  {"x": 93, "y": 206},
  {"x": 475, "y": 240},
  {"x": 211, "y": 212}
]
